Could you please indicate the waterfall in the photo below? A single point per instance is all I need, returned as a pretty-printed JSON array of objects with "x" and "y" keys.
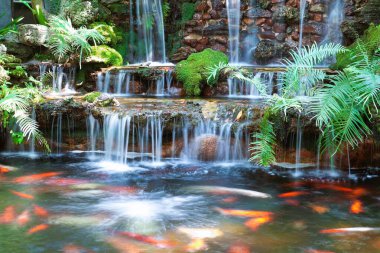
[
  {"x": 32, "y": 142},
  {"x": 234, "y": 17},
  {"x": 151, "y": 138},
  {"x": 147, "y": 23},
  {"x": 335, "y": 18},
  {"x": 240, "y": 88},
  {"x": 298, "y": 146},
  {"x": 303, "y": 4},
  {"x": 114, "y": 82}
]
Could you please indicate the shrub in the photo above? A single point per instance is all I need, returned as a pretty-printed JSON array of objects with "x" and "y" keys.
[
  {"x": 195, "y": 70},
  {"x": 107, "y": 31},
  {"x": 105, "y": 54},
  {"x": 91, "y": 97}
]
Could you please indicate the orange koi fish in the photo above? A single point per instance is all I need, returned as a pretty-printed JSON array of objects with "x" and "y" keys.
[
  {"x": 319, "y": 209},
  {"x": 196, "y": 245},
  {"x": 356, "y": 207},
  {"x": 334, "y": 188},
  {"x": 4, "y": 170},
  {"x": 239, "y": 248},
  {"x": 40, "y": 211},
  {"x": 255, "y": 223},
  {"x": 243, "y": 213},
  {"x": 348, "y": 230},
  {"x": 148, "y": 240},
  {"x": 38, "y": 228},
  {"x": 22, "y": 195},
  {"x": 35, "y": 177},
  {"x": 23, "y": 218},
  {"x": 8, "y": 215},
  {"x": 292, "y": 194}
]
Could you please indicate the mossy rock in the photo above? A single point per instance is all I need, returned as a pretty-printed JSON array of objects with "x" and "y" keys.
[
  {"x": 18, "y": 72},
  {"x": 194, "y": 71},
  {"x": 108, "y": 32},
  {"x": 369, "y": 42},
  {"x": 91, "y": 97},
  {"x": 105, "y": 54}
]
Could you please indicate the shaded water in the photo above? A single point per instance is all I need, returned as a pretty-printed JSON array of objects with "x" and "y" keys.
[{"x": 89, "y": 204}]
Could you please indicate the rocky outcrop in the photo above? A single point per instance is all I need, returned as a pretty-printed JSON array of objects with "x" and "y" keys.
[
  {"x": 33, "y": 35},
  {"x": 16, "y": 48}
]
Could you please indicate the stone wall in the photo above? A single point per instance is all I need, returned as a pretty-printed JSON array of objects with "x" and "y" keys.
[{"x": 269, "y": 28}]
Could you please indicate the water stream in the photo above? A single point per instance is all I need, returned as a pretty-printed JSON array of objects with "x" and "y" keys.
[{"x": 147, "y": 32}]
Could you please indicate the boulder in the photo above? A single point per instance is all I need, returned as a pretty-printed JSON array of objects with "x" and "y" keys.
[
  {"x": 207, "y": 147},
  {"x": 33, "y": 35},
  {"x": 3, "y": 49},
  {"x": 16, "y": 48},
  {"x": 82, "y": 13},
  {"x": 268, "y": 50}
]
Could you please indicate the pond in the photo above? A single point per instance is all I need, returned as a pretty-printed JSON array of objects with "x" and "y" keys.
[{"x": 71, "y": 203}]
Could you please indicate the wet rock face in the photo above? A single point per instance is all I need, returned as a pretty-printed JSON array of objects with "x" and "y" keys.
[{"x": 16, "y": 48}]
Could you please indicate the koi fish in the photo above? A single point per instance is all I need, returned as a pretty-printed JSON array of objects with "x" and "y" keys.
[
  {"x": 8, "y": 215},
  {"x": 4, "y": 170},
  {"x": 334, "y": 188},
  {"x": 348, "y": 230},
  {"x": 356, "y": 207},
  {"x": 196, "y": 245},
  {"x": 319, "y": 209},
  {"x": 201, "y": 233},
  {"x": 255, "y": 223},
  {"x": 292, "y": 194},
  {"x": 23, "y": 218},
  {"x": 40, "y": 211},
  {"x": 239, "y": 248},
  {"x": 148, "y": 240},
  {"x": 243, "y": 213},
  {"x": 38, "y": 228},
  {"x": 35, "y": 177},
  {"x": 231, "y": 191},
  {"x": 22, "y": 195}
]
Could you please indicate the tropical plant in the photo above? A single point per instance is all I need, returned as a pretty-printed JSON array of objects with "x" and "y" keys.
[
  {"x": 345, "y": 106},
  {"x": 66, "y": 41},
  {"x": 14, "y": 107},
  {"x": 36, "y": 7},
  {"x": 10, "y": 28}
]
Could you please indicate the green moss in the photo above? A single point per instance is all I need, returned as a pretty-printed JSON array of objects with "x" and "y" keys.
[
  {"x": 187, "y": 12},
  {"x": 91, "y": 97},
  {"x": 369, "y": 42},
  {"x": 18, "y": 72},
  {"x": 195, "y": 70},
  {"x": 108, "y": 32},
  {"x": 43, "y": 57},
  {"x": 6, "y": 59},
  {"x": 106, "y": 55}
]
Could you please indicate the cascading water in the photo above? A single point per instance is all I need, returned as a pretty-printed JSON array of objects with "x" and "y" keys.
[
  {"x": 303, "y": 4},
  {"x": 239, "y": 88},
  {"x": 234, "y": 17},
  {"x": 147, "y": 32},
  {"x": 147, "y": 137},
  {"x": 63, "y": 78},
  {"x": 115, "y": 83},
  {"x": 335, "y": 18}
]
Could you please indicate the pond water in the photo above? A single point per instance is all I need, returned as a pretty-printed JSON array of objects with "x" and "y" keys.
[{"x": 88, "y": 205}]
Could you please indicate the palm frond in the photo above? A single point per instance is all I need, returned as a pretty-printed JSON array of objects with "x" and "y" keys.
[{"x": 263, "y": 147}]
